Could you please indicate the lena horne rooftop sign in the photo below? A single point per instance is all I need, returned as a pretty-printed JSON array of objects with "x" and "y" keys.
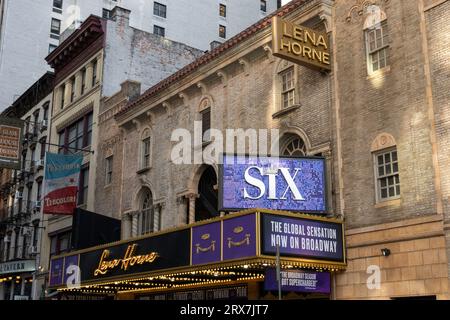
[{"x": 300, "y": 45}]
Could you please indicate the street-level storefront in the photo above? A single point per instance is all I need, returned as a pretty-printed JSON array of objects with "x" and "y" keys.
[
  {"x": 230, "y": 257},
  {"x": 16, "y": 279}
]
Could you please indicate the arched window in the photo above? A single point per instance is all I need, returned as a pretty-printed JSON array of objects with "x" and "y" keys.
[
  {"x": 205, "y": 114},
  {"x": 206, "y": 206},
  {"x": 386, "y": 167},
  {"x": 377, "y": 40},
  {"x": 293, "y": 146},
  {"x": 146, "y": 223},
  {"x": 145, "y": 161}
]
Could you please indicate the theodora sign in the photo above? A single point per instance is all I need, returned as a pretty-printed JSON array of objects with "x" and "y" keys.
[{"x": 300, "y": 45}]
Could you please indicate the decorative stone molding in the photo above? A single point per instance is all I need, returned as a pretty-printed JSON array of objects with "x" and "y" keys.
[
  {"x": 246, "y": 64},
  {"x": 184, "y": 97},
  {"x": 137, "y": 124},
  {"x": 383, "y": 141},
  {"x": 360, "y": 7},
  {"x": 151, "y": 117},
  {"x": 168, "y": 108},
  {"x": 269, "y": 52},
  {"x": 223, "y": 77},
  {"x": 202, "y": 86}
]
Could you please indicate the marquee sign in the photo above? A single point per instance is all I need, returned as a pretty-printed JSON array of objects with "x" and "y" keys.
[
  {"x": 298, "y": 281},
  {"x": 11, "y": 136},
  {"x": 236, "y": 237},
  {"x": 276, "y": 183},
  {"x": 300, "y": 44}
]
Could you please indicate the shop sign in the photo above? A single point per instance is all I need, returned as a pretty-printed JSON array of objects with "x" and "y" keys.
[
  {"x": 11, "y": 135},
  {"x": 303, "y": 238},
  {"x": 17, "y": 266},
  {"x": 300, "y": 44},
  {"x": 298, "y": 281},
  {"x": 277, "y": 183}
]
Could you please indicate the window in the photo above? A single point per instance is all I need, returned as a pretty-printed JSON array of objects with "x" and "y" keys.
[
  {"x": 146, "y": 153},
  {"x": 83, "y": 80},
  {"x": 388, "y": 179},
  {"x": 206, "y": 124},
  {"x": 63, "y": 93},
  {"x": 39, "y": 191},
  {"x": 51, "y": 47},
  {"x": 109, "y": 170},
  {"x": 222, "y": 31},
  {"x": 35, "y": 233},
  {"x": 60, "y": 243},
  {"x": 106, "y": 14},
  {"x": 46, "y": 111},
  {"x": 57, "y": 6},
  {"x": 55, "y": 27},
  {"x": 27, "y": 124},
  {"x": 263, "y": 5},
  {"x": 94, "y": 72},
  {"x": 294, "y": 147},
  {"x": 33, "y": 155},
  {"x": 288, "y": 88},
  {"x": 84, "y": 186},
  {"x": 147, "y": 213},
  {"x": 72, "y": 89},
  {"x": 43, "y": 143},
  {"x": 159, "y": 31},
  {"x": 377, "y": 47},
  {"x": 76, "y": 136},
  {"x": 24, "y": 244},
  {"x": 222, "y": 10},
  {"x": 159, "y": 10},
  {"x": 16, "y": 242},
  {"x": 36, "y": 123}
]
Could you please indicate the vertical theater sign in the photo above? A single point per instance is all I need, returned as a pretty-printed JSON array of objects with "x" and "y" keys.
[
  {"x": 61, "y": 183},
  {"x": 11, "y": 134}
]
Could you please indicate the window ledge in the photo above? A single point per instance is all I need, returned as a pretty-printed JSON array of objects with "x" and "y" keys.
[
  {"x": 379, "y": 73},
  {"x": 389, "y": 203},
  {"x": 143, "y": 170},
  {"x": 285, "y": 111}
]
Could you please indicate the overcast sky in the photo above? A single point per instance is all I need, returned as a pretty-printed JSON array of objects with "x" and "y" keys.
[{"x": 285, "y": 1}]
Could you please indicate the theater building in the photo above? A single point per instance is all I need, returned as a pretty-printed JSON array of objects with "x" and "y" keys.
[{"x": 344, "y": 85}]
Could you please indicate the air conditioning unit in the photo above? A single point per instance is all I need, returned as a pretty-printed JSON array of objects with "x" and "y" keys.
[
  {"x": 19, "y": 195},
  {"x": 44, "y": 124},
  {"x": 40, "y": 163},
  {"x": 33, "y": 250},
  {"x": 37, "y": 205},
  {"x": 7, "y": 239},
  {"x": 25, "y": 231}
]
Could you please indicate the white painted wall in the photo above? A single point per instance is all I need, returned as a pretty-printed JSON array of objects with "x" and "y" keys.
[
  {"x": 193, "y": 22},
  {"x": 25, "y": 39}
]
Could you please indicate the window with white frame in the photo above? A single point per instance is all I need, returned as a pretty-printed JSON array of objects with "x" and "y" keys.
[
  {"x": 109, "y": 170},
  {"x": 387, "y": 175},
  {"x": 159, "y": 10},
  {"x": 377, "y": 46},
  {"x": 147, "y": 213},
  {"x": 146, "y": 150},
  {"x": 287, "y": 87}
]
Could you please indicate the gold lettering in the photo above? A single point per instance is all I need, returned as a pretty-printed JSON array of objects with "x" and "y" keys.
[
  {"x": 307, "y": 51},
  {"x": 285, "y": 31},
  {"x": 285, "y": 44},
  {"x": 326, "y": 58},
  {"x": 298, "y": 34},
  {"x": 297, "y": 48},
  {"x": 310, "y": 38},
  {"x": 321, "y": 42},
  {"x": 129, "y": 260},
  {"x": 317, "y": 55}
]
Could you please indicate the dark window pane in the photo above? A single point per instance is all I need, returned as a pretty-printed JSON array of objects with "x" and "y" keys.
[
  {"x": 381, "y": 171},
  {"x": 391, "y": 192},
  {"x": 388, "y": 169},
  {"x": 383, "y": 182},
  {"x": 397, "y": 190},
  {"x": 380, "y": 159},
  {"x": 387, "y": 157},
  {"x": 384, "y": 193},
  {"x": 395, "y": 167}
]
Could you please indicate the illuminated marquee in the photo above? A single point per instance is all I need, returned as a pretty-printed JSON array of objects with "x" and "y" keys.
[
  {"x": 300, "y": 45},
  {"x": 128, "y": 260}
]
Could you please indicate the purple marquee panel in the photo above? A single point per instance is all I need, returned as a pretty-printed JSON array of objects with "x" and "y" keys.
[
  {"x": 69, "y": 261},
  {"x": 239, "y": 237},
  {"x": 206, "y": 243},
  {"x": 292, "y": 184},
  {"x": 56, "y": 272}
]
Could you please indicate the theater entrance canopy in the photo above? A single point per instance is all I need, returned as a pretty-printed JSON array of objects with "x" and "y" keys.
[{"x": 239, "y": 247}]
